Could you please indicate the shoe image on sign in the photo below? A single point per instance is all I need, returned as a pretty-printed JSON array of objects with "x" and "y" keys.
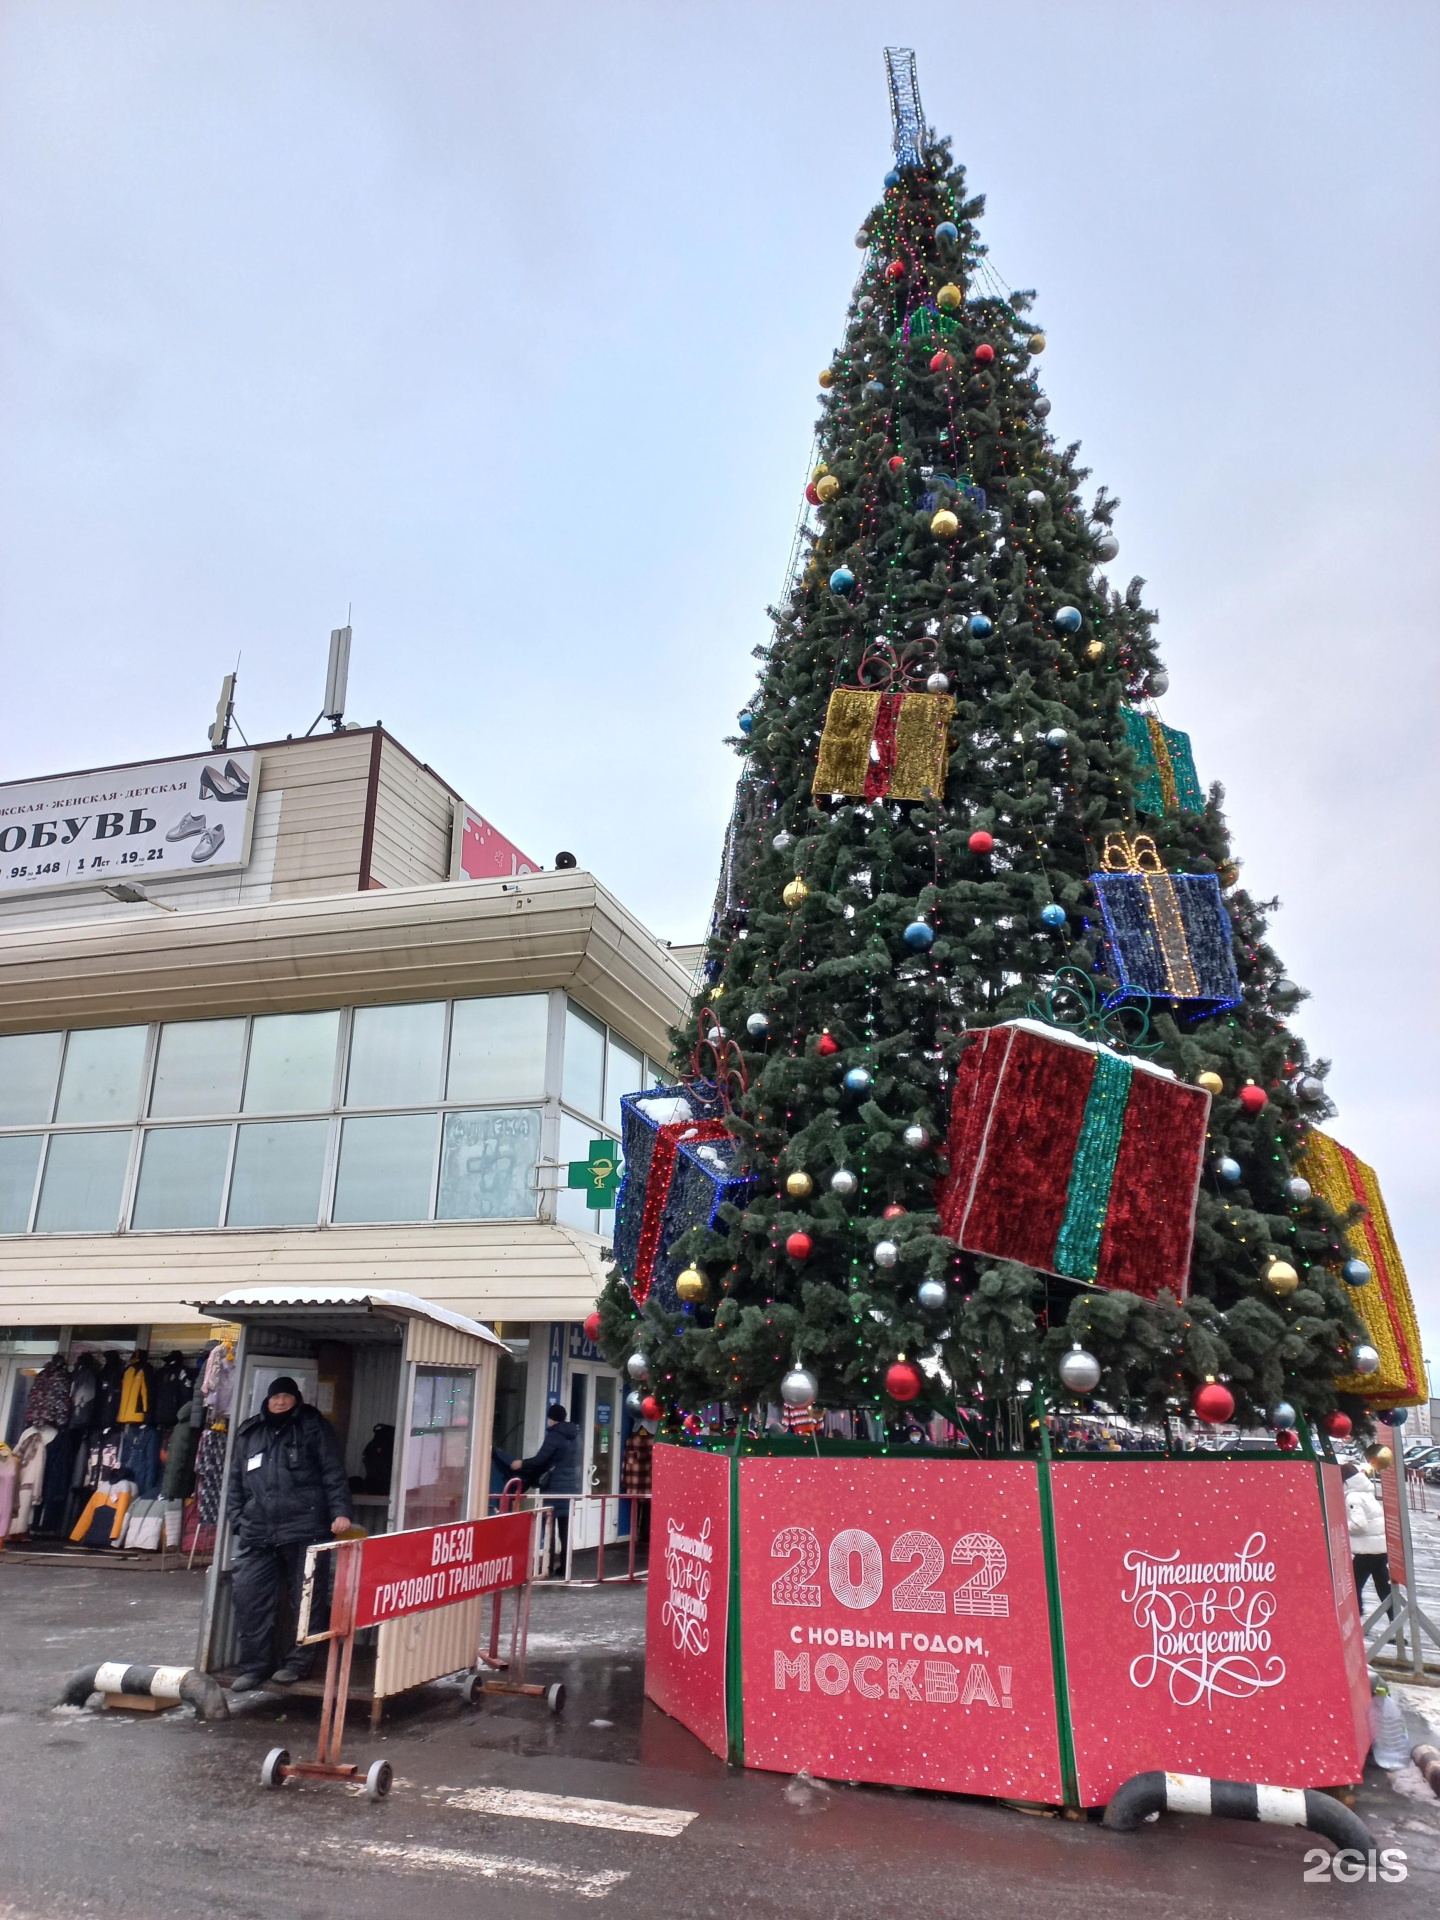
[
  {"x": 192, "y": 824},
  {"x": 208, "y": 845},
  {"x": 229, "y": 785}
]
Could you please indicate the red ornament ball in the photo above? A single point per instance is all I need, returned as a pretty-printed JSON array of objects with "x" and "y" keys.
[
  {"x": 1287, "y": 1439},
  {"x": 895, "y": 270},
  {"x": 826, "y": 1045},
  {"x": 592, "y": 1327},
  {"x": 896, "y": 463},
  {"x": 1337, "y": 1425},
  {"x": 1253, "y": 1098},
  {"x": 799, "y": 1246},
  {"x": 811, "y": 495},
  {"x": 942, "y": 362},
  {"x": 902, "y": 1381},
  {"x": 1213, "y": 1402},
  {"x": 984, "y": 354},
  {"x": 982, "y": 842},
  {"x": 650, "y": 1407},
  {"x": 893, "y": 1211}
]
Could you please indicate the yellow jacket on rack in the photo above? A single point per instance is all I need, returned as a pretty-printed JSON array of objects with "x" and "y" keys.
[{"x": 134, "y": 1397}]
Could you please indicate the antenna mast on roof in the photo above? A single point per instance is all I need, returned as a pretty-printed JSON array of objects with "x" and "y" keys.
[{"x": 907, "y": 116}]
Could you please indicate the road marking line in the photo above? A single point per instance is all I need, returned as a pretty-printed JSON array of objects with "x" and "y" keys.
[
  {"x": 596, "y": 1885},
  {"x": 666, "y": 1822}
]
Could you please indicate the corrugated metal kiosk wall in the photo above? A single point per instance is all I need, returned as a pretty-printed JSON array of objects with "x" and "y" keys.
[{"x": 424, "y": 1646}]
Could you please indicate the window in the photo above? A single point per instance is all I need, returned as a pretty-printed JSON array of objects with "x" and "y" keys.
[
  {"x": 84, "y": 1182},
  {"x": 395, "y": 1056},
  {"x": 497, "y": 1048},
  {"x": 197, "y": 1068},
  {"x": 624, "y": 1073},
  {"x": 101, "y": 1076},
  {"x": 19, "y": 1158},
  {"x": 279, "y": 1168},
  {"x": 182, "y": 1177},
  {"x": 571, "y": 1208},
  {"x": 292, "y": 1063},
  {"x": 437, "y": 1461},
  {"x": 387, "y": 1168},
  {"x": 29, "y": 1066},
  {"x": 487, "y": 1165},
  {"x": 583, "y": 1082}
]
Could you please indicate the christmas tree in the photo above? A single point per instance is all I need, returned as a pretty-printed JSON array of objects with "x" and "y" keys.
[{"x": 955, "y": 731}]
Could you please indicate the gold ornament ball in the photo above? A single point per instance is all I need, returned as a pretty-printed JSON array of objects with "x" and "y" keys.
[
  {"x": 691, "y": 1285},
  {"x": 799, "y": 1185},
  {"x": 949, "y": 297},
  {"x": 1036, "y": 343},
  {"x": 1095, "y": 650},
  {"x": 1212, "y": 1083},
  {"x": 795, "y": 892},
  {"x": 827, "y": 486},
  {"x": 944, "y": 526},
  {"x": 1382, "y": 1458},
  {"x": 1281, "y": 1277},
  {"x": 826, "y": 376}
]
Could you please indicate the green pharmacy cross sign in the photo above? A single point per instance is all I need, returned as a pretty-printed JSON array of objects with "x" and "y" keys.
[{"x": 598, "y": 1173}]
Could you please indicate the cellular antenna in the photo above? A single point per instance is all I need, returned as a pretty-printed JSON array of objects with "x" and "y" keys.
[{"x": 907, "y": 116}]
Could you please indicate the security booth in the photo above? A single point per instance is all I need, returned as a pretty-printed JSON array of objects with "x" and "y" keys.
[{"x": 410, "y": 1390}]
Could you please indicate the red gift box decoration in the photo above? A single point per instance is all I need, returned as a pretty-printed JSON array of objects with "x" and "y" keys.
[{"x": 1074, "y": 1159}]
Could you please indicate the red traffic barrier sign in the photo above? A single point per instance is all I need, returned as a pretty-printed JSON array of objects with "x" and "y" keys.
[{"x": 402, "y": 1573}]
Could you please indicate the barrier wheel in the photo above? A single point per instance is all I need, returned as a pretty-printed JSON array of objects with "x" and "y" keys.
[
  {"x": 378, "y": 1779},
  {"x": 271, "y": 1774},
  {"x": 555, "y": 1696},
  {"x": 474, "y": 1690}
]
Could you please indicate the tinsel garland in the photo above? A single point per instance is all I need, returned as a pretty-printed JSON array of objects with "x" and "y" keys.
[{"x": 884, "y": 745}]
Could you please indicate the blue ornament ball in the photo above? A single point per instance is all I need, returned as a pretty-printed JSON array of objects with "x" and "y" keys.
[
  {"x": 1056, "y": 738},
  {"x": 981, "y": 626},
  {"x": 892, "y": 179},
  {"x": 857, "y": 1080},
  {"x": 1067, "y": 620},
  {"x": 1284, "y": 1415},
  {"x": 947, "y": 230},
  {"x": 1054, "y": 915},
  {"x": 919, "y": 936},
  {"x": 1355, "y": 1273},
  {"x": 1397, "y": 1416},
  {"x": 873, "y": 390},
  {"x": 758, "y": 1025},
  {"x": 1228, "y": 1170},
  {"x": 842, "y": 580},
  {"x": 747, "y": 723}
]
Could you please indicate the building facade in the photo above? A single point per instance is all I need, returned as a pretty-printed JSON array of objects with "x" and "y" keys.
[{"x": 323, "y": 1056}]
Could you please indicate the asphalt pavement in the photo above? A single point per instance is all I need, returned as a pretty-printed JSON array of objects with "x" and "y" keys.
[{"x": 504, "y": 1811}]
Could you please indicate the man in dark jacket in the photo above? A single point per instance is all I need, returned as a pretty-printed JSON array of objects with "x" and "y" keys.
[
  {"x": 287, "y": 1490},
  {"x": 555, "y": 1469}
]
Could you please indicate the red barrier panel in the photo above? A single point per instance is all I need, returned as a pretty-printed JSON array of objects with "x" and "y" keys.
[
  {"x": 1347, "y": 1601},
  {"x": 685, "y": 1631},
  {"x": 1200, "y": 1621},
  {"x": 895, "y": 1624},
  {"x": 431, "y": 1567}
]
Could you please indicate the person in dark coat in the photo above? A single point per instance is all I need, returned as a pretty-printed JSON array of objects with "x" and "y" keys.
[
  {"x": 287, "y": 1490},
  {"x": 555, "y": 1469}
]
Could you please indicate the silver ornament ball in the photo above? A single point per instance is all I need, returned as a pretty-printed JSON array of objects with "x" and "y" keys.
[
  {"x": 843, "y": 1182},
  {"x": 757, "y": 1025},
  {"x": 1299, "y": 1190},
  {"x": 886, "y": 1253},
  {"x": 1364, "y": 1358},
  {"x": 1055, "y": 739},
  {"x": 931, "y": 1295},
  {"x": 1079, "y": 1370},
  {"x": 1309, "y": 1088},
  {"x": 938, "y": 682},
  {"x": 636, "y": 1366},
  {"x": 916, "y": 1138},
  {"x": 783, "y": 841},
  {"x": 799, "y": 1388},
  {"x": 1158, "y": 682},
  {"x": 1106, "y": 547},
  {"x": 1036, "y": 497},
  {"x": 1041, "y": 408},
  {"x": 634, "y": 1400}
]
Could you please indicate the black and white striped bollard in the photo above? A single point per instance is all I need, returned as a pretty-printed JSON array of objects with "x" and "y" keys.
[
  {"x": 159, "y": 1683},
  {"x": 1148, "y": 1793}
]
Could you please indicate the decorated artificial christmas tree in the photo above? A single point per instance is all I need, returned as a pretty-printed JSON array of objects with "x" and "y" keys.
[{"x": 993, "y": 1055}]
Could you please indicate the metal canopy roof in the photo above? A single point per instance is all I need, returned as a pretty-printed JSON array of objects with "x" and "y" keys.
[{"x": 254, "y": 1303}]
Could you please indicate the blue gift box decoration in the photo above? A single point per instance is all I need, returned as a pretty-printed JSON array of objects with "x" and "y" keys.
[
  {"x": 1169, "y": 934},
  {"x": 682, "y": 1164}
]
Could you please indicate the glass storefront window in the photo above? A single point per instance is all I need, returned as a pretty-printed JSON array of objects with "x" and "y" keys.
[
  {"x": 395, "y": 1055},
  {"x": 387, "y": 1168},
  {"x": 624, "y": 1073},
  {"x": 292, "y": 1063},
  {"x": 583, "y": 1080},
  {"x": 197, "y": 1068},
  {"x": 487, "y": 1165},
  {"x": 19, "y": 1158},
  {"x": 279, "y": 1168},
  {"x": 497, "y": 1048},
  {"x": 29, "y": 1066},
  {"x": 83, "y": 1182},
  {"x": 101, "y": 1076},
  {"x": 182, "y": 1177},
  {"x": 437, "y": 1463}
]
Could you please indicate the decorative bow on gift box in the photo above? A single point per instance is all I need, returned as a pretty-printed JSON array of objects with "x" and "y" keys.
[{"x": 1169, "y": 933}]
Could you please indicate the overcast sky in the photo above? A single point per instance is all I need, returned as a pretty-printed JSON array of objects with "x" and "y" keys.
[{"x": 502, "y": 323}]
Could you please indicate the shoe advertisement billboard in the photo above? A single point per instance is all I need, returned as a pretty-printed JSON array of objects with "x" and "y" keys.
[{"x": 138, "y": 823}]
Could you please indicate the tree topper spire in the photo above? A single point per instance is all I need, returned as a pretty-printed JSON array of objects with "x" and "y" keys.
[{"x": 907, "y": 116}]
